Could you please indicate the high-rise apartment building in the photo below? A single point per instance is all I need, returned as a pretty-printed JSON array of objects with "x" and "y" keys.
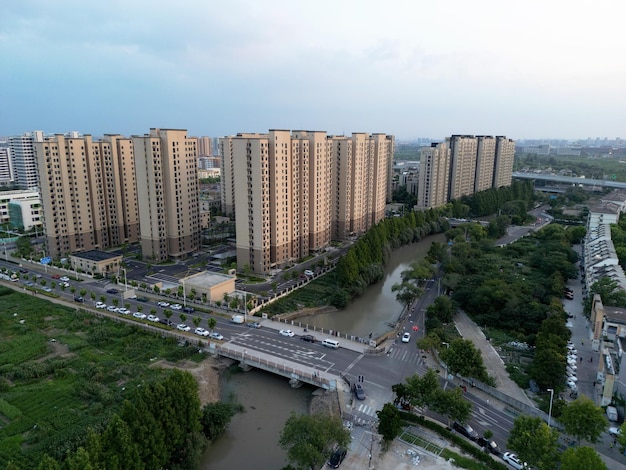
[
  {"x": 292, "y": 192},
  {"x": 6, "y": 166},
  {"x": 205, "y": 146},
  {"x": 434, "y": 176},
  {"x": 22, "y": 149},
  {"x": 166, "y": 164},
  {"x": 503, "y": 166},
  {"x": 87, "y": 192},
  {"x": 464, "y": 166}
]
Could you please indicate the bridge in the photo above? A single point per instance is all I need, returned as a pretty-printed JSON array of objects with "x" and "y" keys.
[{"x": 573, "y": 180}]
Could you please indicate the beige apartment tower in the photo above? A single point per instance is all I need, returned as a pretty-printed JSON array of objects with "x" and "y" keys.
[
  {"x": 87, "y": 193},
  {"x": 167, "y": 193},
  {"x": 485, "y": 162},
  {"x": 503, "y": 166},
  {"x": 434, "y": 176},
  {"x": 463, "y": 155},
  {"x": 292, "y": 192}
]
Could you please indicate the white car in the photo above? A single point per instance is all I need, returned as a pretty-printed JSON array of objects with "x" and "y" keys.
[
  {"x": 288, "y": 333},
  {"x": 201, "y": 332},
  {"x": 153, "y": 318},
  {"x": 216, "y": 336},
  {"x": 514, "y": 461},
  {"x": 571, "y": 384},
  {"x": 176, "y": 307},
  {"x": 573, "y": 378},
  {"x": 163, "y": 304},
  {"x": 123, "y": 311},
  {"x": 139, "y": 315},
  {"x": 406, "y": 337},
  {"x": 571, "y": 362},
  {"x": 64, "y": 279},
  {"x": 615, "y": 431},
  {"x": 183, "y": 327},
  {"x": 101, "y": 305},
  {"x": 64, "y": 284},
  {"x": 112, "y": 308}
]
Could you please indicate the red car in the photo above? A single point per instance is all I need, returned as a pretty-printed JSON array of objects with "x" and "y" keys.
[{"x": 55, "y": 276}]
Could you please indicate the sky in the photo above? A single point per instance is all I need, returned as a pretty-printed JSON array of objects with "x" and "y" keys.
[{"x": 414, "y": 68}]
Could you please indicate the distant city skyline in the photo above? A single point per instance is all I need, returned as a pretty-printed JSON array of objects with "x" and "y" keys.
[{"x": 530, "y": 70}]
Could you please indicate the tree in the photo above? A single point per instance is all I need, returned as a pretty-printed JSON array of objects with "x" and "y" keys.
[
  {"x": 167, "y": 312},
  {"x": 309, "y": 439},
  {"x": 451, "y": 404},
  {"x": 196, "y": 321},
  {"x": 215, "y": 417},
  {"x": 407, "y": 292},
  {"x": 422, "y": 389},
  {"x": 211, "y": 323},
  {"x": 583, "y": 420},
  {"x": 389, "y": 422},
  {"x": 462, "y": 357},
  {"x": 183, "y": 317},
  {"x": 581, "y": 458},
  {"x": 535, "y": 442}
]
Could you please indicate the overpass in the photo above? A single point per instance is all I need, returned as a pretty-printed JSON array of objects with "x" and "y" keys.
[{"x": 569, "y": 180}]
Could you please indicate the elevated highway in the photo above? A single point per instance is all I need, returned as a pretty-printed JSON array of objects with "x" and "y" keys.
[{"x": 569, "y": 180}]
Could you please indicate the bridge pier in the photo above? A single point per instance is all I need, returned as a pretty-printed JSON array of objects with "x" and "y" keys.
[
  {"x": 245, "y": 367},
  {"x": 295, "y": 383}
]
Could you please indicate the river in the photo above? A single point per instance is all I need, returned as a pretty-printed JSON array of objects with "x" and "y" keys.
[{"x": 252, "y": 437}]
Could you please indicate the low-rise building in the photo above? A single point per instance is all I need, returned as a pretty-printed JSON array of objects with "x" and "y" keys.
[{"x": 96, "y": 262}]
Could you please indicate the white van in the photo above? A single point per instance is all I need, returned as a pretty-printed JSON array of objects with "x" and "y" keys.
[{"x": 331, "y": 343}]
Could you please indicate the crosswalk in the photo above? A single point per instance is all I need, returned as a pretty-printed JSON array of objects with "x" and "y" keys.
[
  {"x": 363, "y": 414},
  {"x": 406, "y": 355}
]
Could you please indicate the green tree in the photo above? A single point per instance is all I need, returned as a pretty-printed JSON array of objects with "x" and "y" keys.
[
  {"x": 211, "y": 323},
  {"x": 581, "y": 458},
  {"x": 167, "y": 312},
  {"x": 535, "y": 442},
  {"x": 215, "y": 417},
  {"x": 48, "y": 463},
  {"x": 389, "y": 422},
  {"x": 103, "y": 299},
  {"x": 462, "y": 357},
  {"x": 451, "y": 404},
  {"x": 612, "y": 295},
  {"x": 583, "y": 420},
  {"x": 119, "y": 450},
  {"x": 24, "y": 247},
  {"x": 309, "y": 439},
  {"x": 183, "y": 317},
  {"x": 421, "y": 390},
  {"x": 407, "y": 292},
  {"x": 196, "y": 321}
]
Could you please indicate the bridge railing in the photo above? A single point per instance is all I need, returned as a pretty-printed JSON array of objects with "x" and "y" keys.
[
  {"x": 316, "y": 329},
  {"x": 284, "y": 368}
]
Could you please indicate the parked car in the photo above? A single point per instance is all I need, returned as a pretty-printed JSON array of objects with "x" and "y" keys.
[
  {"x": 64, "y": 279},
  {"x": 101, "y": 305},
  {"x": 308, "y": 272},
  {"x": 166, "y": 321},
  {"x": 163, "y": 304},
  {"x": 615, "y": 431},
  {"x": 406, "y": 337},
  {"x": 488, "y": 446},
  {"x": 64, "y": 284},
  {"x": 217, "y": 336},
  {"x": 201, "y": 332},
  {"x": 466, "y": 430},
  {"x": 254, "y": 324},
  {"x": 55, "y": 276},
  {"x": 153, "y": 318},
  {"x": 337, "y": 457},
  {"x": 183, "y": 327},
  {"x": 24, "y": 271},
  {"x": 308, "y": 338},
  {"x": 112, "y": 308},
  {"x": 78, "y": 298},
  {"x": 141, "y": 299},
  {"x": 176, "y": 307},
  {"x": 514, "y": 461},
  {"x": 125, "y": 311},
  {"x": 359, "y": 392},
  {"x": 189, "y": 309},
  {"x": 288, "y": 333},
  {"x": 109, "y": 291},
  {"x": 47, "y": 289},
  {"x": 141, "y": 316}
]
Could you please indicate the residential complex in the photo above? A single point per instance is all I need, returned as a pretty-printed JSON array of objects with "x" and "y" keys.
[
  {"x": 23, "y": 160},
  {"x": 292, "y": 192},
  {"x": 463, "y": 165},
  {"x": 92, "y": 199}
]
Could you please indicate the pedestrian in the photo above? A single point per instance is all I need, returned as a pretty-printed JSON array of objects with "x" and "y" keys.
[{"x": 581, "y": 359}]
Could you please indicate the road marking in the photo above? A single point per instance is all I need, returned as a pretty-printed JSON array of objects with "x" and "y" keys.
[{"x": 353, "y": 363}]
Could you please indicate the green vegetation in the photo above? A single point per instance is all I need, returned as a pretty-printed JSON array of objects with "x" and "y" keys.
[{"x": 64, "y": 372}]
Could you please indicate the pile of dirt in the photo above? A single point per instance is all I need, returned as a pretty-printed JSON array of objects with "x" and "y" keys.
[
  {"x": 206, "y": 373},
  {"x": 325, "y": 402}
]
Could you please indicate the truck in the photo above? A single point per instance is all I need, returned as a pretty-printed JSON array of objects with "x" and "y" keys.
[
  {"x": 237, "y": 319},
  {"x": 611, "y": 413}
]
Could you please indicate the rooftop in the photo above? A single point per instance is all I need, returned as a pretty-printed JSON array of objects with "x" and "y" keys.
[{"x": 96, "y": 255}]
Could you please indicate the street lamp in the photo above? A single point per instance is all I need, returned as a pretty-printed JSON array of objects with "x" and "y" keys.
[
  {"x": 447, "y": 347},
  {"x": 184, "y": 293},
  {"x": 550, "y": 411},
  {"x": 125, "y": 280}
]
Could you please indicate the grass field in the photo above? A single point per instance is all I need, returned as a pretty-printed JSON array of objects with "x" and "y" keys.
[{"x": 62, "y": 371}]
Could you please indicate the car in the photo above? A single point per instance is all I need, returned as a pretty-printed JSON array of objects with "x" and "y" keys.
[
  {"x": 38, "y": 276},
  {"x": 201, "y": 331},
  {"x": 78, "y": 298},
  {"x": 112, "y": 308},
  {"x": 217, "y": 336},
  {"x": 153, "y": 318},
  {"x": 64, "y": 284},
  {"x": 488, "y": 446},
  {"x": 189, "y": 309},
  {"x": 337, "y": 457},
  {"x": 359, "y": 392},
  {"x": 163, "y": 304},
  {"x": 112, "y": 291},
  {"x": 125, "y": 311},
  {"x": 308, "y": 272},
  {"x": 572, "y": 377},
  {"x": 308, "y": 338},
  {"x": 176, "y": 307},
  {"x": 571, "y": 362},
  {"x": 254, "y": 324},
  {"x": 47, "y": 289},
  {"x": 101, "y": 305},
  {"x": 64, "y": 279},
  {"x": 514, "y": 461},
  {"x": 183, "y": 327},
  {"x": 141, "y": 299},
  {"x": 288, "y": 333},
  {"x": 55, "y": 276},
  {"x": 571, "y": 384},
  {"x": 29, "y": 284},
  {"x": 166, "y": 321},
  {"x": 466, "y": 430},
  {"x": 615, "y": 431},
  {"x": 24, "y": 271},
  {"x": 406, "y": 337}
]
